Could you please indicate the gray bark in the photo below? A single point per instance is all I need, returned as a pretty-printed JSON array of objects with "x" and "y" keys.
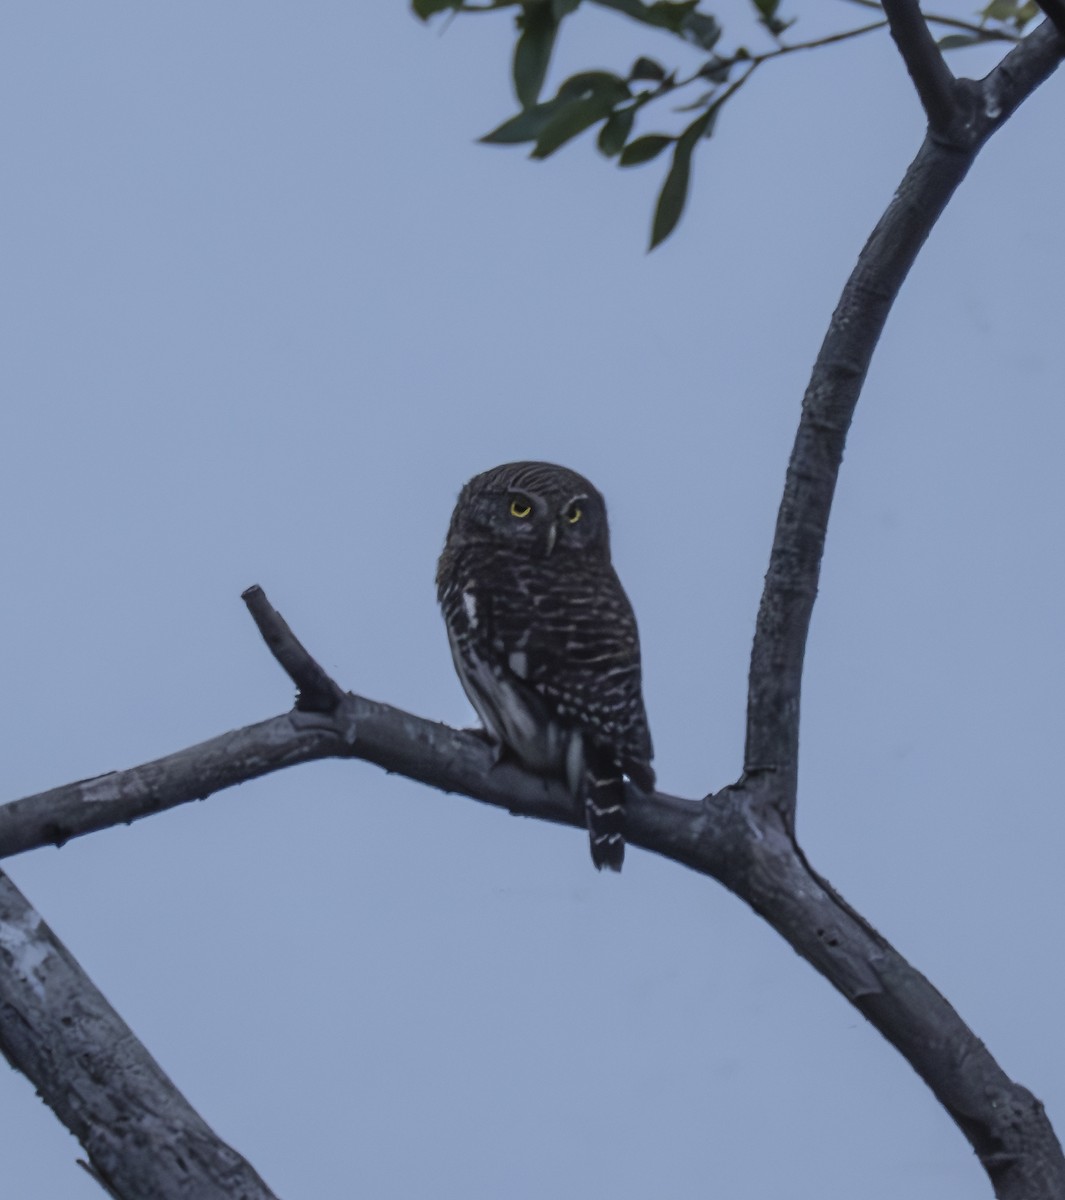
[{"x": 142, "y": 1136}]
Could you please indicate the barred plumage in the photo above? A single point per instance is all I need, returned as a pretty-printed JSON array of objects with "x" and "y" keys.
[{"x": 544, "y": 638}]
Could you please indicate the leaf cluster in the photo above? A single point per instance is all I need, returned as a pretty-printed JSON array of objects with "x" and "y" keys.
[
  {"x": 616, "y": 102},
  {"x": 997, "y": 16}
]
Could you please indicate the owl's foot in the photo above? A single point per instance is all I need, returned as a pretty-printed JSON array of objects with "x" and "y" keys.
[{"x": 499, "y": 751}]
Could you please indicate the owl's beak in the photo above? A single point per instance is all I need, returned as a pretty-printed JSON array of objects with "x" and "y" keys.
[{"x": 552, "y": 534}]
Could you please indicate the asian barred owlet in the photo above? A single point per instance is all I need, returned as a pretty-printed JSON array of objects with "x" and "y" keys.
[{"x": 544, "y": 638}]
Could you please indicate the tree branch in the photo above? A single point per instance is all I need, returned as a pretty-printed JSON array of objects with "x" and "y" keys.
[
  {"x": 315, "y": 691},
  {"x": 742, "y": 837},
  {"x": 736, "y": 837},
  {"x": 141, "y": 1135},
  {"x": 1004, "y": 1123},
  {"x": 1054, "y": 10},
  {"x": 931, "y": 76},
  {"x": 400, "y": 742},
  {"x": 51, "y": 818},
  {"x": 772, "y": 744}
]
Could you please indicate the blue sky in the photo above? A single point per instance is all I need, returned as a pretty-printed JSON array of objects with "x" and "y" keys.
[{"x": 266, "y": 306}]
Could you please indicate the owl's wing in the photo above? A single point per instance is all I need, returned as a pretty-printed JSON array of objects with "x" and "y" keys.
[
  {"x": 575, "y": 644},
  {"x": 516, "y": 714}
]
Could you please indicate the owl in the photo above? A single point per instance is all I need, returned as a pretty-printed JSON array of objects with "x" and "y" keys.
[{"x": 544, "y": 638}]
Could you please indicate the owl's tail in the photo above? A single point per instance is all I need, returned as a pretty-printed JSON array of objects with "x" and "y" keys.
[{"x": 604, "y": 812}]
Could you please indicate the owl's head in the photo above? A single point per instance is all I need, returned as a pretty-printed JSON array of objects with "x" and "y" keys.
[{"x": 535, "y": 507}]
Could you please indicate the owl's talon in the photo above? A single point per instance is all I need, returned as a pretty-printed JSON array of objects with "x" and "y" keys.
[{"x": 498, "y": 749}]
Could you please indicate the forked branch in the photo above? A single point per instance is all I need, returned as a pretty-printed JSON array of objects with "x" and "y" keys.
[
  {"x": 932, "y": 78},
  {"x": 734, "y": 837},
  {"x": 772, "y": 746},
  {"x": 743, "y": 837}
]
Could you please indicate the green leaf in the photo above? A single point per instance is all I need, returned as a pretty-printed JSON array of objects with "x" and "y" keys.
[
  {"x": 674, "y": 193},
  {"x": 532, "y": 54},
  {"x": 702, "y": 126},
  {"x": 647, "y": 68},
  {"x": 678, "y": 16},
  {"x": 701, "y": 30},
  {"x": 525, "y": 127},
  {"x": 662, "y": 15},
  {"x": 426, "y": 8},
  {"x": 717, "y": 69},
  {"x": 767, "y": 16},
  {"x": 643, "y": 149},
  {"x": 1000, "y": 10},
  {"x": 595, "y": 83},
  {"x": 672, "y": 14},
  {"x": 570, "y": 120},
  {"x": 532, "y": 123},
  {"x": 563, "y": 8},
  {"x": 673, "y": 196},
  {"x": 699, "y": 103},
  {"x": 616, "y": 129},
  {"x": 955, "y": 41}
]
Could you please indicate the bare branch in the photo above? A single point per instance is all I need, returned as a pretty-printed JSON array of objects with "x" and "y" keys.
[
  {"x": 1055, "y": 12},
  {"x": 141, "y": 1135},
  {"x": 398, "y": 741},
  {"x": 1005, "y": 1124},
  {"x": 930, "y": 74},
  {"x": 743, "y": 837},
  {"x": 828, "y": 406},
  {"x": 1002, "y": 91},
  {"x": 316, "y": 692},
  {"x": 53, "y": 817},
  {"x": 735, "y": 837}
]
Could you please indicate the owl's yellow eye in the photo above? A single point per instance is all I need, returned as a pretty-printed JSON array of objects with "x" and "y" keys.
[
  {"x": 574, "y": 515},
  {"x": 520, "y": 508}
]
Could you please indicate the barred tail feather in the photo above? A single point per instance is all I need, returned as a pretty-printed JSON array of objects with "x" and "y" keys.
[{"x": 604, "y": 812}]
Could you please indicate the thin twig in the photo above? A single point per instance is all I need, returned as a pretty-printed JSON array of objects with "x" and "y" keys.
[
  {"x": 980, "y": 31},
  {"x": 816, "y": 43}
]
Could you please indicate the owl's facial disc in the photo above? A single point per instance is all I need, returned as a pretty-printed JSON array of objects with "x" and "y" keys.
[
  {"x": 547, "y": 522},
  {"x": 571, "y": 512},
  {"x": 524, "y": 506}
]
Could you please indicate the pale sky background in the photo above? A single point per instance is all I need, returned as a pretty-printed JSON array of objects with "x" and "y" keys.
[{"x": 266, "y": 306}]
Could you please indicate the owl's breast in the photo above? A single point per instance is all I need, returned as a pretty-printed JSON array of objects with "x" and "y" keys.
[{"x": 548, "y": 653}]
